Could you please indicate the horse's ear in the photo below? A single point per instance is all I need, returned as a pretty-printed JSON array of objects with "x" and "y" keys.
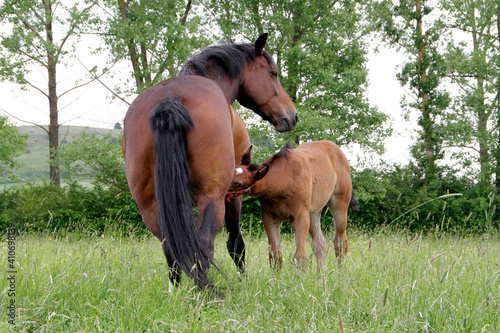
[
  {"x": 247, "y": 156},
  {"x": 231, "y": 41},
  {"x": 261, "y": 172},
  {"x": 260, "y": 43}
]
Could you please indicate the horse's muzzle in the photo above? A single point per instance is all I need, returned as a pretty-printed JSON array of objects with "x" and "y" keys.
[{"x": 286, "y": 124}]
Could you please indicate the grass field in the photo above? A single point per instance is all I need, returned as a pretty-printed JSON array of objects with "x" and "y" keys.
[{"x": 391, "y": 282}]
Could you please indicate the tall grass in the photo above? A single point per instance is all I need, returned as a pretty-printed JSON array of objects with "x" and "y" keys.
[{"x": 391, "y": 282}]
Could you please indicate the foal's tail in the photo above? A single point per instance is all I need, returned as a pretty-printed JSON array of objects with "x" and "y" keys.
[
  {"x": 170, "y": 122},
  {"x": 354, "y": 204}
]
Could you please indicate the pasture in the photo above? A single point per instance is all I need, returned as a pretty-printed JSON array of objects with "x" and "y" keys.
[{"x": 391, "y": 282}]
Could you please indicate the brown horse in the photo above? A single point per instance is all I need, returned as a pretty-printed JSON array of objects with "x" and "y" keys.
[
  {"x": 294, "y": 185},
  {"x": 179, "y": 148},
  {"x": 242, "y": 72}
]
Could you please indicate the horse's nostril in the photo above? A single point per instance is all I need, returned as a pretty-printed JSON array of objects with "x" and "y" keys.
[{"x": 296, "y": 117}]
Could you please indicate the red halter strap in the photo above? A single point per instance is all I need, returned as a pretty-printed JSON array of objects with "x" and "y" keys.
[{"x": 230, "y": 195}]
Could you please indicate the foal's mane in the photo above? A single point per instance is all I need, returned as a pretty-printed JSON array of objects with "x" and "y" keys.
[
  {"x": 229, "y": 57},
  {"x": 284, "y": 152}
]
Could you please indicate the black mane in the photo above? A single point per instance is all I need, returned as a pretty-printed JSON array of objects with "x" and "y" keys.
[
  {"x": 229, "y": 57},
  {"x": 284, "y": 152}
]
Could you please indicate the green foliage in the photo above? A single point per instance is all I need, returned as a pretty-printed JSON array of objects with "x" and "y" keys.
[
  {"x": 414, "y": 27},
  {"x": 157, "y": 37},
  {"x": 71, "y": 208},
  {"x": 12, "y": 145},
  {"x": 321, "y": 57},
  {"x": 28, "y": 40},
  {"x": 474, "y": 69},
  {"x": 388, "y": 196},
  {"x": 95, "y": 157}
]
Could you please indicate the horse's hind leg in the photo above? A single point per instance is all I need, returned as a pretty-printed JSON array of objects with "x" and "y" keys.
[
  {"x": 149, "y": 213},
  {"x": 210, "y": 220},
  {"x": 338, "y": 205},
  {"x": 235, "y": 244},
  {"x": 318, "y": 241}
]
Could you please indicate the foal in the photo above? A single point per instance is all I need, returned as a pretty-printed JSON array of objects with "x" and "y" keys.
[{"x": 294, "y": 185}]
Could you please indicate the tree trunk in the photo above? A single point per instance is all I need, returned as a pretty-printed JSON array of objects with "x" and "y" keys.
[
  {"x": 132, "y": 50},
  {"x": 426, "y": 121},
  {"x": 481, "y": 113},
  {"x": 55, "y": 176},
  {"x": 497, "y": 169}
]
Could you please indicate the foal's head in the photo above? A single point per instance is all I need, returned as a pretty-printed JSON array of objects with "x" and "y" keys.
[{"x": 247, "y": 175}]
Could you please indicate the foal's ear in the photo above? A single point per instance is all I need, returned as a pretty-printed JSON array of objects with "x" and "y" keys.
[
  {"x": 260, "y": 43},
  {"x": 247, "y": 156},
  {"x": 261, "y": 172}
]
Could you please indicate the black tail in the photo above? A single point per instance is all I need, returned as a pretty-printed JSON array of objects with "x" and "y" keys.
[
  {"x": 354, "y": 204},
  {"x": 170, "y": 122}
]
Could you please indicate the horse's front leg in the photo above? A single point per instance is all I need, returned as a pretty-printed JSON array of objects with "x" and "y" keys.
[
  {"x": 300, "y": 226},
  {"x": 235, "y": 243},
  {"x": 273, "y": 226}
]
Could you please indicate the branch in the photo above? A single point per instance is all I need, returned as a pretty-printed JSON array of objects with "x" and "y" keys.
[
  {"x": 472, "y": 31},
  {"x": 24, "y": 121},
  {"x": 186, "y": 12},
  {"x": 28, "y": 25},
  {"x": 31, "y": 57},
  {"x": 73, "y": 27},
  {"x": 461, "y": 146},
  {"x": 40, "y": 90},
  {"x": 82, "y": 85},
  {"x": 105, "y": 86},
  {"x": 37, "y": 15}
]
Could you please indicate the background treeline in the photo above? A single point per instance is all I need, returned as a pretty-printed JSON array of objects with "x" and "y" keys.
[{"x": 451, "y": 74}]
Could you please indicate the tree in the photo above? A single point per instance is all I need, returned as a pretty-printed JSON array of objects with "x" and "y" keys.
[
  {"x": 474, "y": 68},
  {"x": 12, "y": 145},
  {"x": 157, "y": 37},
  {"x": 41, "y": 34},
  {"x": 321, "y": 57},
  {"x": 95, "y": 157},
  {"x": 410, "y": 26}
]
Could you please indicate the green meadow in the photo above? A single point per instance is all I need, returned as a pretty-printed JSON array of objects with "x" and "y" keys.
[{"x": 391, "y": 281}]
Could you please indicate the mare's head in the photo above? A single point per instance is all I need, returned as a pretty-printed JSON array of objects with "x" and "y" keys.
[
  {"x": 247, "y": 175},
  {"x": 247, "y": 73}
]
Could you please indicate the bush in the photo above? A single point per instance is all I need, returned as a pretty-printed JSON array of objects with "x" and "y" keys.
[
  {"x": 396, "y": 195},
  {"x": 47, "y": 207}
]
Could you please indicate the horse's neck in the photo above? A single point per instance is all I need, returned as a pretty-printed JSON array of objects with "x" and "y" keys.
[{"x": 230, "y": 87}]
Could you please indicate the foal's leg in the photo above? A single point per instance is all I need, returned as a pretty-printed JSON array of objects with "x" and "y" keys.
[
  {"x": 235, "y": 244},
  {"x": 273, "y": 226},
  {"x": 301, "y": 228},
  {"x": 338, "y": 205},
  {"x": 318, "y": 241}
]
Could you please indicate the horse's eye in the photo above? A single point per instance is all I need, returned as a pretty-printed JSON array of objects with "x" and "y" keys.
[
  {"x": 274, "y": 73},
  {"x": 238, "y": 184}
]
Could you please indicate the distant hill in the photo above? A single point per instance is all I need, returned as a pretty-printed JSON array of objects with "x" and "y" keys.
[{"x": 35, "y": 158}]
